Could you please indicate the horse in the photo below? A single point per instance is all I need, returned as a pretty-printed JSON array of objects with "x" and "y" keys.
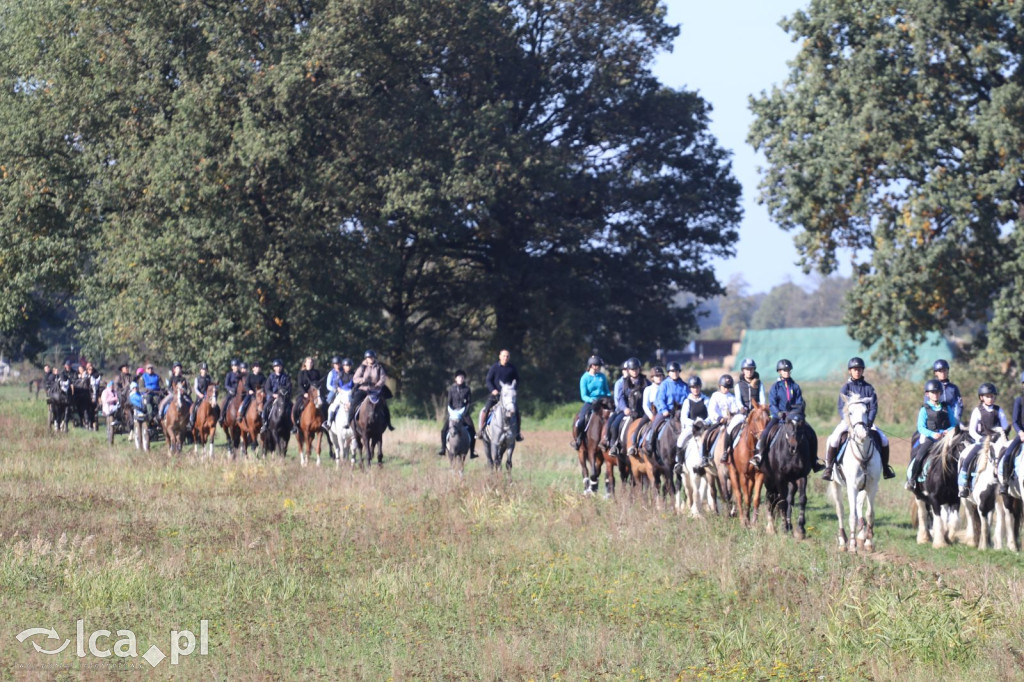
[
  {"x": 592, "y": 452},
  {"x": 700, "y": 489},
  {"x": 58, "y": 399},
  {"x": 251, "y": 422},
  {"x": 645, "y": 468},
  {"x": 278, "y": 432},
  {"x": 87, "y": 394},
  {"x": 939, "y": 493},
  {"x": 1009, "y": 507},
  {"x": 746, "y": 480},
  {"x": 457, "y": 440},
  {"x": 860, "y": 474},
  {"x": 232, "y": 430},
  {"x": 175, "y": 421},
  {"x": 204, "y": 431},
  {"x": 789, "y": 461},
  {"x": 497, "y": 433},
  {"x": 371, "y": 421},
  {"x": 981, "y": 503},
  {"x": 310, "y": 421},
  {"x": 341, "y": 437}
]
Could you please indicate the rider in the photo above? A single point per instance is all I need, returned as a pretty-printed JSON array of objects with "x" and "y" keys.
[
  {"x": 151, "y": 384},
  {"x": 593, "y": 385},
  {"x": 935, "y": 418},
  {"x": 48, "y": 378},
  {"x": 695, "y": 407},
  {"x": 783, "y": 397},
  {"x": 67, "y": 374},
  {"x": 856, "y": 385},
  {"x": 501, "y": 372},
  {"x": 950, "y": 391},
  {"x": 749, "y": 388},
  {"x": 231, "y": 380},
  {"x": 726, "y": 409},
  {"x": 369, "y": 377},
  {"x": 647, "y": 403},
  {"x": 338, "y": 379},
  {"x": 309, "y": 377},
  {"x": 254, "y": 381},
  {"x": 177, "y": 378},
  {"x": 199, "y": 385},
  {"x": 987, "y": 421},
  {"x": 123, "y": 382},
  {"x": 633, "y": 385},
  {"x": 459, "y": 398},
  {"x": 279, "y": 384},
  {"x": 1011, "y": 451},
  {"x": 671, "y": 394},
  {"x": 619, "y": 400}
]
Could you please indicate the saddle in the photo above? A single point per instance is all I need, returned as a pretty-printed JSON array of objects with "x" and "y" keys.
[{"x": 710, "y": 437}]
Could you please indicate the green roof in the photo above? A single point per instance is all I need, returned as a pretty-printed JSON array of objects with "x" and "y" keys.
[{"x": 821, "y": 353}]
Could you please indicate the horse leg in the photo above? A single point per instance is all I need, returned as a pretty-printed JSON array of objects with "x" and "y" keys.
[
  {"x": 923, "y": 537},
  {"x": 801, "y": 498},
  {"x": 938, "y": 527},
  {"x": 787, "y": 510},
  {"x": 869, "y": 513},
  {"x": 837, "y": 495},
  {"x": 851, "y": 499},
  {"x": 319, "y": 444}
]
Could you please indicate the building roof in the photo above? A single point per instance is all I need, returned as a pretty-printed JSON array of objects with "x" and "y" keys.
[{"x": 821, "y": 353}]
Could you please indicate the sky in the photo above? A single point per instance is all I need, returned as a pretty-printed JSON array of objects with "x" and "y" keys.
[{"x": 727, "y": 51}]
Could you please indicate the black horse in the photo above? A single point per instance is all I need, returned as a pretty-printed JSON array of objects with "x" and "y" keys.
[
  {"x": 58, "y": 399},
  {"x": 279, "y": 427},
  {"x": 371, "y": 421},
  {"x": 791, "y": 458}
]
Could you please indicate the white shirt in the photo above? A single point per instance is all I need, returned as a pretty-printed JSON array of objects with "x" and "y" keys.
[
  {"x": 723, "y": 406},
  {"x": 650, "y": 393},
  {"x": 976, "y": 427}
]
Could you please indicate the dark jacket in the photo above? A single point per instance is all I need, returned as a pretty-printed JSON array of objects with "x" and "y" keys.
[
  {"x": 231, "y": 382},
  {"x": 202, "y": 383},
  {"x": 864, "y": 390},
  {"x": 459, "y": 397},
  {"x": 179, "y": 379},
  {"x": 1018, "y": 416},
  {"x": 279, "y": 383},
  {"x": 784, "y": 396},
  {"x": 308, "y": 378},
  {"x": 502, "y": 374},
  {"x": 254, "y": 381},
  {"x": 634, "y": 393}
]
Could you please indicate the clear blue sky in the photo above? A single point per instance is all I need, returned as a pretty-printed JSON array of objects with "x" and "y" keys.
[{"x": 727, "y": 51}]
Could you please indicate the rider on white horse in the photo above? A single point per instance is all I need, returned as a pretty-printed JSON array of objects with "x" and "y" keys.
[
  {"x": 725, "y": 408},
  {"x": 934, "y": 420},
  {"x": 694, "y": 407},
  {"x": 987, "y": 420},
  {"x": 501, "y": 372},
  {"x": 784, "y": 397},
  {"x": 338, "y": 379},
  {"x": 856, "y": 385},
  {"x": 459, "y": 398}
]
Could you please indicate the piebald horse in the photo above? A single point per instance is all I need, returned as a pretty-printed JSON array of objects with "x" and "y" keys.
[{"x": 981, "y": 503}]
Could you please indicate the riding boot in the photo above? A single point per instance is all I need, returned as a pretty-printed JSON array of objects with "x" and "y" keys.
[
  {"x": 1006, "y": 471},
  {"x": 887, "y": 471},
  {"x": 472, "y": 449},
  {"x": 830, "y": 461},
  {"x": 755, "y": 461},
  {"x": 726, "y": 447},
  {"x": 444, "y": 431},
  {"x": 387, "y": 418},
  {"x": 575, "y": 442}
]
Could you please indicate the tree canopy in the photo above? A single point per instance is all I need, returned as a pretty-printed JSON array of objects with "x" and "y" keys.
[
  {"x": 899, "y": 135},
  {"x": 431, "y": 178}
]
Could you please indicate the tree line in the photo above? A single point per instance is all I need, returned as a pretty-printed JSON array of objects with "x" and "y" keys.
[{"x": 434, "y": 179}]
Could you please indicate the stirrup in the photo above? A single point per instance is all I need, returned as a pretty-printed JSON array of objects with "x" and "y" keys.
[
  {"x": 964, "y": 491},
  {"x": 1004, "y": 488},
  {"x": 888, "y": 472},
  {"x": 827, "y": 475}
]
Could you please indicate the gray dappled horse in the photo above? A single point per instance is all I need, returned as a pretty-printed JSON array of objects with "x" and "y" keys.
[
  {"x": 457, "y": 440},
  {"x": 498, "y": 434}
]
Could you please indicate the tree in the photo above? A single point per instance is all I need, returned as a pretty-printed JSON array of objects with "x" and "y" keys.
[{"x": 898, "y": 133}]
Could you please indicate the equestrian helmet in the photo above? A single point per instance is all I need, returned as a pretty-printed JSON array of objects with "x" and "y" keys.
[
  {"x": 940, "y": 366},
  {"x": 242, "y": 365},
  {"x": 933, "y": 386},
  {"x": 632, "y": 363},
  {"x": 176, "y": 365},
  {"x": 346, "y": 362},
  {"x": 460, "y": 372},
  {"x": 694, "y": 382},
  {"x": 203, "y": 365},
  {"x": 987, "y": 388},
  {"x": 370, "y": 354},
  {"x": 659, "y": 372},
  {"x": 855, "y": 363},
  {"x": 595, "y": 360},
  {"x": 277, "y": 363},
  {"x": 235, "y": 362},
  {"x": 783, "y": 365},
  {"x": 67, "y": 363},
  {"x": 725, "y": 380},
  {"x": 748, "y": 363},
  {"x": 255, "y": 364},
  {"x": 134, "y": 384},
  {"x": 674, "y": 367},
  {"x": 336, "y": 360}
]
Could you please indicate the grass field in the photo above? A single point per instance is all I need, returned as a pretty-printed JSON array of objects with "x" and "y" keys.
[{"x": 406, "y": 573}]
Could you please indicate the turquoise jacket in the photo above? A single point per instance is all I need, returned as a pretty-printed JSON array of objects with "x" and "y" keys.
[{"x": 594, "y": 386}]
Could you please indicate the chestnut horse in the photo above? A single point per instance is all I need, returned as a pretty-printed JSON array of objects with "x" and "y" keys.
[
  {"x": 251, "y": 422},
  {"x": 205, "y": 429},
  {"x": 592, "y": 452},
  {"x": 175, "y": 421},
  {"x": 746, "y": 480},
  {"x": 231, "y": 422},
  {"x": 310, "y": 421}
]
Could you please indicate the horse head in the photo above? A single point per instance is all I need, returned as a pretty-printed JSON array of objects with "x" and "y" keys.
[
  {"x": 794, "y": 430},
  {"x": 854, "y": 409},
  {"x": 757, "y": 418},
  {"x": 259, "y": 400},
  {"x": 211, "y": 394},
  {"x": 508, "y": 398},
  {"x": 314, "y": 397},
  {"x": 455, "y": 416}
]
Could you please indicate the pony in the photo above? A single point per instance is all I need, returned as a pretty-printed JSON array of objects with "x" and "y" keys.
[
  {"x": 205, "y": 429},
  {"x": 497, "y": 434},
  {"x": 981, "y": 503},
  {"x": 457, "y": 440},
  {"x": 592, "y": 452},
  {"x": 745, "y": 479},
  {"x": 371, "y": 421},
  {"x": 85, "y": 396},
  {"x": 252, "y": 421},
  {"x": 230, "y": 423},
  {"x": 645, "y": 468},
  {"x": 275, "y": 437},
  {"x": 341, "y": 437},
  {"x": 860, "y": 474},
  {"x": 699, "y": 486},
  {"x": 789, "y": 461},
  {"x": 939, "y": 493},
  {"x": 58, "y": 400},
  {"x": 1009, "y": 507},
  {"x": 310, "y": 421},
  {"x": 175, "y": 421}
]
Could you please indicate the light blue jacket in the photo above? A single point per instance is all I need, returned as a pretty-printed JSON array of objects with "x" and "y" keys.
[{"x": 593, "y": 386}]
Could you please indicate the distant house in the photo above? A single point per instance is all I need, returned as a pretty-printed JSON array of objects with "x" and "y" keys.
[
  {"x": 705, "y": 351},
  {"x": 821, "y": 353}
]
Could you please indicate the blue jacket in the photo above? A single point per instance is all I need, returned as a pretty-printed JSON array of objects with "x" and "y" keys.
[
  {"x": 620, "y": 394},
  {"x": 278, "y": 383},
  {"x": 670, "y": 394},
  {"x": 137, "y": 401},
  {"x": 864, "y": 390},
  {"x": 151, "y": 382},
  {"x": 337, "y": 381},
  {"x": 1018, "y": 416},
  {"x": 922, "y": 418},
  {"x": 231, "y": 382},
  {"x": 784, "y": 396},
  {"x": 593, "y": 386}
]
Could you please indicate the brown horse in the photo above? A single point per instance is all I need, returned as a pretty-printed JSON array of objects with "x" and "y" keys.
[
  {"x": 371, "y": 420},
  {"x": 746, "y": 480},
  {"x": 175, "y": 421},
  {"x": 251, "y": 422},
  {"x": 231, "y": 422},
  {"x": 205, "y": 429},
  {"x": 310, "y": 421},
  {"x": 592, "y": 452}
]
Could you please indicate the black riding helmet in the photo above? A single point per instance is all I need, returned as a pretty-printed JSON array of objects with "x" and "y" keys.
[
  {"x": 694, "y": 382},
  {"x": 370, "y": 354},
  {"x": 203, "y": 365},
  {"x": 594, "y": 360},
  {"x": 987, "y": 388},
  {"x": 176, "y": 365},
  {"x": 346, "y": 362},
  {"x": 336, "y": 360},
  {"x": 725, "y": 380},
  {"x": 242, "y": 365},
  {"x": 933, "y": 386},
  {"x": 235, "y": 362},
  {"x": 855, "y": 363},
  {"x": 277, "y": 363},
  {"x": 940, "y": 366},
  {"x": 674, "y": 367},
  {"x": 748, "y": 363},
  {"x": 632, "y": 363},
  {"x": 460, "y": 373},
  {"x": 657, "y": 371},
  {"x": 784, "y": 365}
]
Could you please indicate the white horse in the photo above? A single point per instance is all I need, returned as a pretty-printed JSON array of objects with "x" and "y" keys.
[
  {"x": 1008, "y": 509},
  {"x": 340, "y": 435},
  {"x": 981, "y": 503},
  {"x": 457, "y": 440},
  {"x": 860, "y": 473},
  {"x": 498, "y": 434},
  {"x": 700, "y": 489}
]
